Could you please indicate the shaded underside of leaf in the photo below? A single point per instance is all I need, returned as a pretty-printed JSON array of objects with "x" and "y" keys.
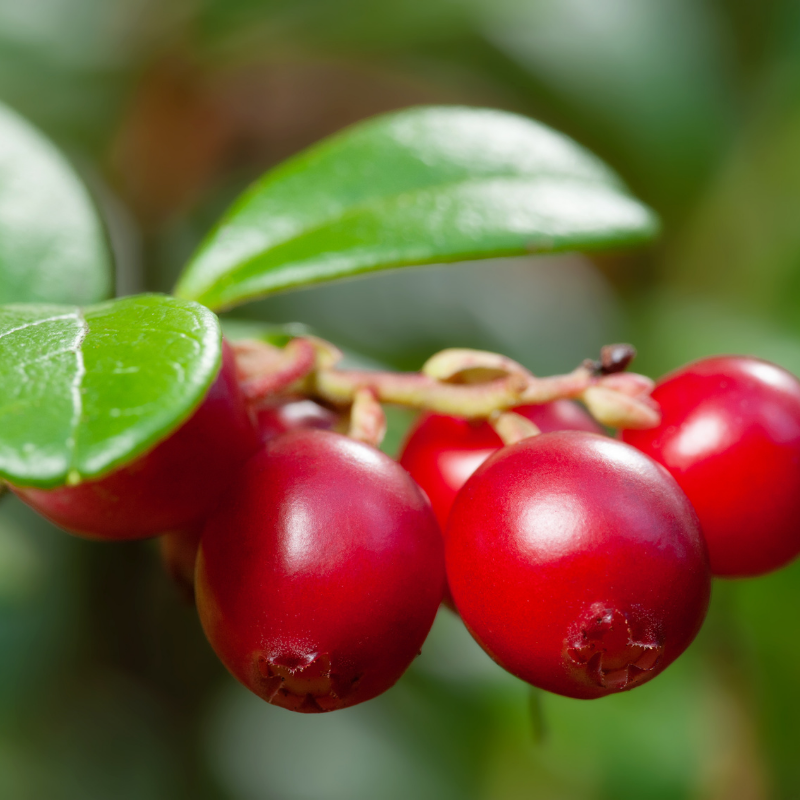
[
  {"x": 85, "y": 390},
  {"x": 52, "y": 244},
  {"x": 414, "y": 187},
  {"x": 278, "y": 334}
]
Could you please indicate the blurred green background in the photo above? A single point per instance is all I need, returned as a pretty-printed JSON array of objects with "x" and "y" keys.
[{"x": 168, "y": 108}]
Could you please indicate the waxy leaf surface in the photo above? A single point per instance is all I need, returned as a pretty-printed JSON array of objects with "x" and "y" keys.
[
  {"x": 426, "y": 185},
  {"x": 85, "y": 390},
  {"x": 52, "y": 244}
]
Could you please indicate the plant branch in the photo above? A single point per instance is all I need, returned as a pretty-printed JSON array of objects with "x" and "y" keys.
[{"x": 464, "y": 383}]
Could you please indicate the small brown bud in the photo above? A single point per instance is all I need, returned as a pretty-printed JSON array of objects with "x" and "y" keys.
[{"x": 616, "y": 357}]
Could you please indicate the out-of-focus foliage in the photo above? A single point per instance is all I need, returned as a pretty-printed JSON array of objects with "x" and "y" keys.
[
  {"x": 169, "y": 110},
  {"x": 52, "y": 244}
]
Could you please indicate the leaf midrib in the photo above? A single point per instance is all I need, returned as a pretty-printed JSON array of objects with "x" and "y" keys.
[{"x": 76, "y": 389}]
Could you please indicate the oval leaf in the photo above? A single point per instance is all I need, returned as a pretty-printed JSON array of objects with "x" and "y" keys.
[
  {"x": 85, "y": 390},
  {"x": 419, "y": 186},
  {"x": 52, "y": 245}
]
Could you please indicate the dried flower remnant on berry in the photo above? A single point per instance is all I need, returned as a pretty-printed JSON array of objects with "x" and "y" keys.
[
  {"x": 605, "y": 648},
  {"x": 308, "y": 684}
]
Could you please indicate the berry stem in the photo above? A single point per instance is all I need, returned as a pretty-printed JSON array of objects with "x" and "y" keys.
[
  {"x": 420, "y": 391},
  {"x": 367, "y": 420},
  {"x": 263, "y": 369},
  {"x": 513, "y": 428},
  {"x": 465, "y": 383}
]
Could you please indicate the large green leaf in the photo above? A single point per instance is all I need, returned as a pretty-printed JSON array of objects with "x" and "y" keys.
[
  {"x": 52, "y": 244},
  {"x": 419, "y": 186},
  {"x": 84, "y": 390}
]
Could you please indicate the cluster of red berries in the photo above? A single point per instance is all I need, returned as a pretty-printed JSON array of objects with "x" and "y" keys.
[{"x": 581, "y": 563}]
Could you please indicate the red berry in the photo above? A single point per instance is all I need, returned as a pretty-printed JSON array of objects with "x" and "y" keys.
[
  {"x": 179, "y": 548},
  {"x": 441, "y": 452},
  {"x": 730, "y": 435},
  {"x": 175, "y": 485},
  {"x": 320, "y": 574},
  {"x": 577, "y": 563},
  {"x": 287, "y": 415}
]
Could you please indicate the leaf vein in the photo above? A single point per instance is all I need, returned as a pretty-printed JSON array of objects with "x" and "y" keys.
[{"x": 27, "y": 325}]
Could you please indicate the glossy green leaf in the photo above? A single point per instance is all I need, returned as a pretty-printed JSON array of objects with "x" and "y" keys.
[
  {"x": 85, "y": 390},
  {"x": 419, "y": 186},
  {"x": 52, "y": 244}
]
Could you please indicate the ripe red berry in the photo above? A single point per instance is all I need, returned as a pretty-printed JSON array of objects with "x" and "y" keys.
[
  {"x": 287, "y": 415},
  {"x": 179, "y": 548},
  {"x": 577, "y": 563},
  {"x": 730, "y": 435},
  {"x": 319, "y": 576},
  {"x": 441, "y": 452},
  {"x": 173, "y": 486}
]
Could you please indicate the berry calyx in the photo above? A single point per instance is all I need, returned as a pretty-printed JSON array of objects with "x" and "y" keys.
[
  {"x": 730, "y": 436},
  {"x": 174, "y": 486},
  {"x": 577, "y": 563},
  {"x": 319, "y": 575},
  {"x": 441, "y": 452}
]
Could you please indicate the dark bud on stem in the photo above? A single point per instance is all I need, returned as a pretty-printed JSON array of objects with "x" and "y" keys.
[{"x": 613, "y": 358}]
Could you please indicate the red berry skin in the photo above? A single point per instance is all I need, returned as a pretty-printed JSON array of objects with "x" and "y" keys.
[
  {"x": 179, "y": 548},
  {"x": 730, "y": 436},
  {"x": 173, "y": 486},
  {"x": 441, "y": 452},
  {"x": 320, "y": 574},
  {"x": 577, "y": 563},
  {"x": 296, "y": 413}
]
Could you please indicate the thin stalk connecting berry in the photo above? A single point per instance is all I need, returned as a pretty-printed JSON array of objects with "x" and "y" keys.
[{"x": 473, "y": 384}]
